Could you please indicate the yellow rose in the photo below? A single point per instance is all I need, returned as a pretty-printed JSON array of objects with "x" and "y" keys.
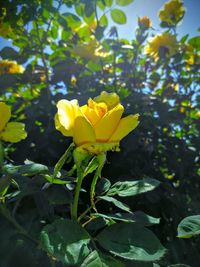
[
  {"x": 10, "y": 67},
  {"x": 164, "y": 43},
  {"x": 144, "y": 22},
  {"x": 91, "y": 50},
  {"x": 10, "y": 131},
  {"x": 172, "y": 12},
  {"x": 96, "y": 127}
]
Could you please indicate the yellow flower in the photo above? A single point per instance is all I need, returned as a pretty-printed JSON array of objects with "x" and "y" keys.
[
  {"x": 161, "y": 45},
  {"x": 172, "y": 12},
  {"x": 73, "y": 81},
  {"x": 192, "y": 57},
  {"x": 5, "y": 28},
  {"x": 91, "y": 50},
  {"x": 144, "y": 22},
  {"x": 10, "y": 67},
  {"x": 10, "y": 131},
  {"x": 96, "y": 127}
]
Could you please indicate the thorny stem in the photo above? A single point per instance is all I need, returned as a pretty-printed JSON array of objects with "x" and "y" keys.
[
  {"x": 87, "y": 210},
  {"x": 74, "y": 208}
]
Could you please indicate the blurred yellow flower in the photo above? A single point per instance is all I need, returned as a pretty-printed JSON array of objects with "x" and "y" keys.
[
  {"x": 96, "y": 127},
  {"x": 10, "y": 67},
  {"x": 10, "y": 131},
  {"x": 164, "y": 44},
  {"x": 144, "y": 22},
  {"x": 192, "y": 57},
  {"x": 5, "y": 28},
  {"x": 73, "y": 80},
  {"x": 91, "y": 50},
  {"x": 172, "y": 12}
]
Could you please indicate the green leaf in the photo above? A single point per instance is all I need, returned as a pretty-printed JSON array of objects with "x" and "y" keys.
[
  {"x": 101, "y": 4},
  {"x": 89, "y": 8},
  {"x": 98, "y": 259},
  {"x": 184, "y": 38},
  {"x": 178, "y": 265},
  {"x": 132, "y": 188},
  {"x": 71, "y": 19},
  {"x": 66, "y": 240},
  {"x": 108, "y": 2},
  {"x": 118, "y": 16},
  {"x": 58, "y": 195},
  {"x": 4, "y": 185},
  {"x": 116, "y": 202},
  {"x": 92, "y": 166},
  {"x": 95, "y": 225},
  {"x": 195, "y": 42},
  {"x": 62, "y": 160},
  {"x": 27, "y": 169},
  {"x": 124, "y": 2},
  {"x": 103, "y": 21},
  {"x": 138, "y": 217},
  {"x": 131, "y": 241},
  {"x": 189, "y": 226},
  {"x": 53, "y": 180},
  {"x": 9, "y": 53},
  {"x": 103, "y": 186}
]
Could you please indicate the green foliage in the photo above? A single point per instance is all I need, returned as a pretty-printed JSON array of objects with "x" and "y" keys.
[
  {"x": 118, "y": 16},
  {"x": 189, "y": 226},
  {"x": 131, "y": 241},
  {"x": 66, "y": 240},
  {"x": 98, "y": 259},
  {"x": 132, "y": 188},
  {"x": 124, "y": 2}
]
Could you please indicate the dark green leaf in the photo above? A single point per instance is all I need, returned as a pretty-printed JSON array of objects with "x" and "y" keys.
[
  {"x": 118, "y": 16},
  {"x": 131, "y": 241},
  {"x": 103, "y": 186},
  {"x": 58, "y": 195},
  {"x": 138, "y": 217},
  {"x": 178, "y": 265},
  {"x": 9, "y": 53},
  {"x": 98, "y": 259},
  {"x": 116, "y": 202},
  {"x": 132, "y": 188},
  {"x": 27, "y": 169},
  {"x": 66, "y": 240},
  {"x": 189, "y": 226}
]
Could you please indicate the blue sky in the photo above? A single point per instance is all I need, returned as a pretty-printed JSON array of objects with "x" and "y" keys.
[{"x": 150, "y": 8}]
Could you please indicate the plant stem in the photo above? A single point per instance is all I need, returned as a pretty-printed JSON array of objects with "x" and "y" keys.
[
  {"x": 74, "y": 208},
  {"x": 101, "y": 161},
  {"x": 1, "y": 155},
  {"x": 87, "y": 210}
]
